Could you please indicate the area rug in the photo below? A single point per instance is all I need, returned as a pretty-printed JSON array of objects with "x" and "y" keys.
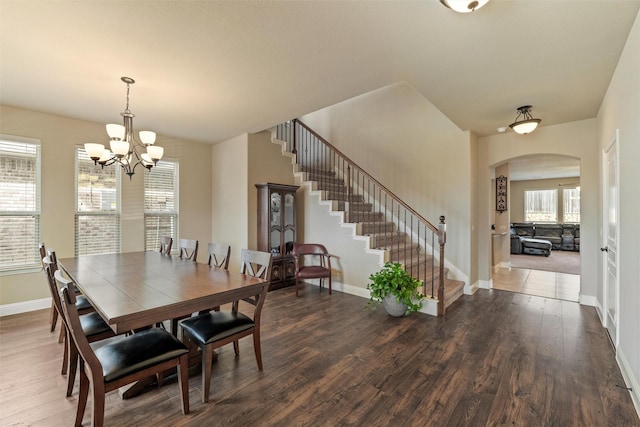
[{"x": 559, "y": 261}]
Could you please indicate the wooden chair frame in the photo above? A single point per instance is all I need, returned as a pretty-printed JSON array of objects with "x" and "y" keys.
[
  {"x": 165, "y": 245},
  {"x": 254, "y": 263},
  {"x": 91, "y": 374},
  {"x": 321, "y": 269},
  {"x": 188, "y": 249},
  {"x": 219, "y": 255}
]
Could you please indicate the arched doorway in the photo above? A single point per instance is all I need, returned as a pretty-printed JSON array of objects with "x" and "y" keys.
[{"x": 543, "y": 210}]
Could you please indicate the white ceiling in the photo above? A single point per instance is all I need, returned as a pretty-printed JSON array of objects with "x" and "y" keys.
[{"x": 211, "y": 70}]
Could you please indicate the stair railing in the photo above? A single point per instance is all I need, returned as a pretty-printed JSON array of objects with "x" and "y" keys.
[{"x": 390, "y": 222}]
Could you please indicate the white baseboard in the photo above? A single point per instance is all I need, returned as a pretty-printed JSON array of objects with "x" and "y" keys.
[
  {"x": 470, "y": 289},
  {"x": 589, "y": 300},
  {"x": 629, "y": 378},
  {"x": 24, "y": 306},
  {"x": 485, "y": 284},
  {"x": 430, "y": 305}
]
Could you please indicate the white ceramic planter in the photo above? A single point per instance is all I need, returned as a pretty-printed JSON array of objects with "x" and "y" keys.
[{"x": 393, "y": 307}]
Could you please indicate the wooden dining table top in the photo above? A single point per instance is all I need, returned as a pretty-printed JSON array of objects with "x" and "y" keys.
[{"x": 132, "y": 290}]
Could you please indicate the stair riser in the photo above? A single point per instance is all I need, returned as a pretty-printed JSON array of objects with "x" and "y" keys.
[
  {"x": 356, "y": 217},
  {"x": 377, "y": 227},
  {"x": 342, "y": 197},
  {"x": 355, "y": 207},
  {"x": 325, "y": 179},
  {"x": 402, "y": 252},
  {"x": 387, "y": 240}
]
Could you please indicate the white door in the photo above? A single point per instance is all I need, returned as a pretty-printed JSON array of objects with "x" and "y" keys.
[{"x": 610, "y": 240}]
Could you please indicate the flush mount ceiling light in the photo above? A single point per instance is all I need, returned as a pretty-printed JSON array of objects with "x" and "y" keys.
[
  {"x": 527, "y": 124},
  {"x": 125, "y": 149},
  {"x": 464, "y": 6}
]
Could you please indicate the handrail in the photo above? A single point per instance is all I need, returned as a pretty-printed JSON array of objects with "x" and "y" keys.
[
  {"x": 351, "y": 162},
  {"x": 392, "y": 224}
]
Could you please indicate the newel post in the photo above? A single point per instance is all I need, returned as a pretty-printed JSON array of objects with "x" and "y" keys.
[
  {"x": 348, "y": 182},
  {"x": 442, "y": 239},
  {"x": 294, "y": 150}
]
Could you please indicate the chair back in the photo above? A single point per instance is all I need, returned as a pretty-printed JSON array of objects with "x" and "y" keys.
[
  {"x": 256, "y": 263},
  {"x": 312, "y": 261},
  {"x": 301, "y": 249},
  {"x": 165, "y": 245},
  {"x": 67, "y": 297},
  {"x": 188, "y": 249},
  {"x": 43, "y": 252},
  {"x": 50, "y": 268},
  {"x": 219, "y": 255}
]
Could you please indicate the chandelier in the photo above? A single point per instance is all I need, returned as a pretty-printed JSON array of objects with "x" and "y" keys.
[
  {"x": 464, "y": 6},
  {"x": 527, "y": 124},
  {"x": 124, "y": 148}
]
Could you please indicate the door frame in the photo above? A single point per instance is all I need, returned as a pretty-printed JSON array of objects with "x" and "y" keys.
[{"x": 613, "y": 141}]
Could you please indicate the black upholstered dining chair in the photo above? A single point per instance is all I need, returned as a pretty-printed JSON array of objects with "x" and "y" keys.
[
  {"x": 50, "y": 266},
  {"x": 313, "y": 261},
  {"x": 218, "y": 328},
  {"x": 42, "y": 249},
  {"x": 121, "y": 360},
  {"x": 93, "y": 327}
]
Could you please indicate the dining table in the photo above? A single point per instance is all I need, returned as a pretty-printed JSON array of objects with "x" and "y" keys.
[
  {"x": 136, "y": 290},
  {"x": 133, "y": 290}
]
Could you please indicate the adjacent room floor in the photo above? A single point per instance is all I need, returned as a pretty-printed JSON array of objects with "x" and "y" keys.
[{"x": 537, "y": 282}]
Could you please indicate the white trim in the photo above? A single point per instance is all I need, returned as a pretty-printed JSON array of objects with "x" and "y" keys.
[
  {"x": 430, "y": 306},
  {"x": 630, "y": 380},
  {"x": 24, "y": 306},
  {"x": 589, "y": 300},
  {"x": 470, "y": 289},
  {"x": 485, "y": 284}
]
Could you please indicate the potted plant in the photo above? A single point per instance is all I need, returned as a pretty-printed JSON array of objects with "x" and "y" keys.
[{"x": 396, "y": 289}]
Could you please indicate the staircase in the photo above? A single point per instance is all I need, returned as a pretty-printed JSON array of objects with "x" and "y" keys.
[
  {"x": 383, "y": 235},
  {"x": 388, "y": 223}
]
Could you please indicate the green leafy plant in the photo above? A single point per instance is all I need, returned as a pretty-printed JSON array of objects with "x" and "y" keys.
[{"x": 393, "y": 279}]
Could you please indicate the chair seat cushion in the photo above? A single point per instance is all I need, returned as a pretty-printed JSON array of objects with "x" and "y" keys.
[
  {"x": 216, "y": 325},
  {"x": 93, "y": 324},
  {"x": 124, "y": 356},
  {"x": 82, "y": 303},
  {"x": 313, "y": 271}
]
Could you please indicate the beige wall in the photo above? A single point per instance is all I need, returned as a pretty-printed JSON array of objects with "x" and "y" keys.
[
  {"x": 620, "y": 110},
  {"x": 518, "y": 188},
  {"x": 239, "y": 164},
  {"x": 399, "y": 137},
  {"x": 58, "y": 137}
]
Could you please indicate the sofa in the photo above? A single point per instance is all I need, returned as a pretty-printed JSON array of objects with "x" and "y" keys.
[{"x": 564, "y": 237}]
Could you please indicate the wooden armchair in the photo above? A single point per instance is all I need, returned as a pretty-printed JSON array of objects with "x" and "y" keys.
[{"x": 312, "y": 262}]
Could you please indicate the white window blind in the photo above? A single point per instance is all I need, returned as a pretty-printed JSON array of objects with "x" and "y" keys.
[
  {"x": 571, "y": 204},
  {"x": 541, "y": 205},
  {"x": 19, "y": 204},
  {"x": 161, "y": 203},
  {"x": 97, "y": 223}
]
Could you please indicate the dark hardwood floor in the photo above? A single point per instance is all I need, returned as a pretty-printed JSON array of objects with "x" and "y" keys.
[{"x": 498, "y": 358}]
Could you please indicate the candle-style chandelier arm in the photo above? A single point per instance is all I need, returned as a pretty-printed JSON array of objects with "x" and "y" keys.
[{"x": 124, "y": 148}]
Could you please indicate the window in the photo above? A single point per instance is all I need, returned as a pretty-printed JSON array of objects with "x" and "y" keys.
[
  {"x": 571, "y": 205},
  {"x": 160, "y": 203},
  {"x": 541, "y": 205},
  {"x": 97, "y": 207},
  {"x": 19, "y": 204}
]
